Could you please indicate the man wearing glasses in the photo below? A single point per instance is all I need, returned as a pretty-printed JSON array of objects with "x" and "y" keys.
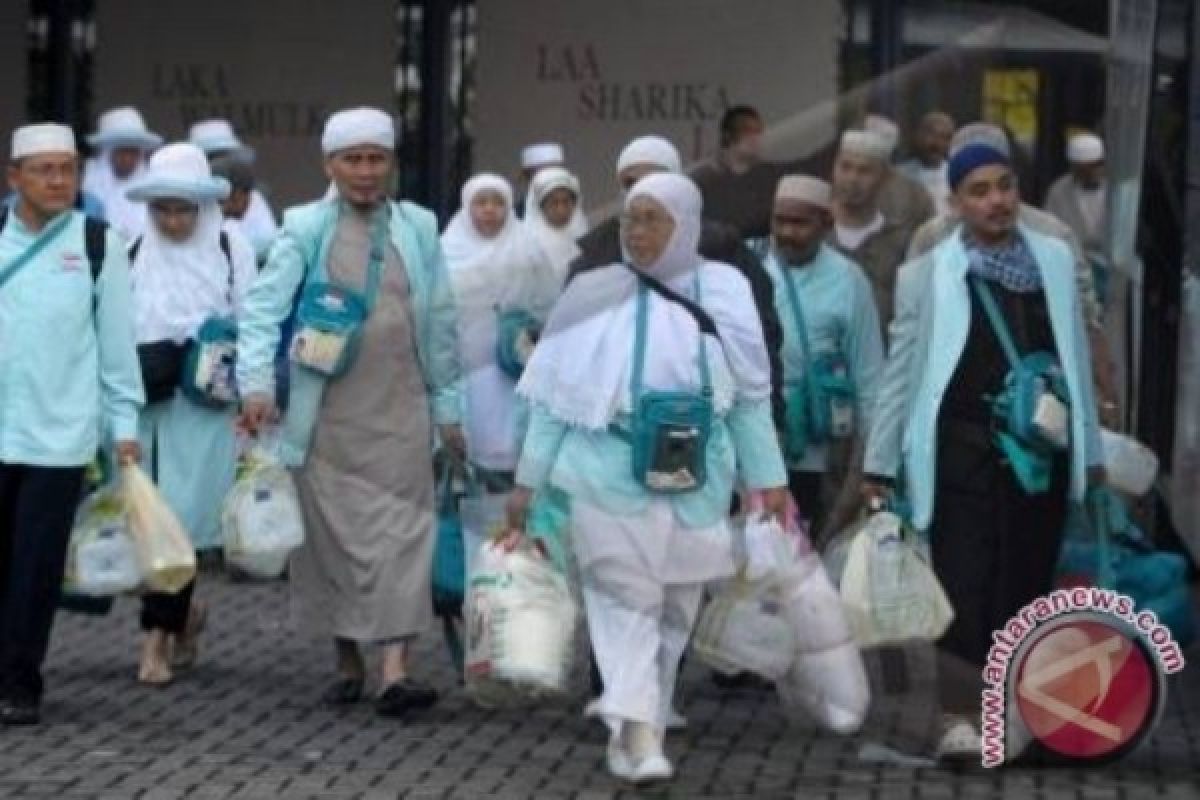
[{"x": 70, "y": 379}]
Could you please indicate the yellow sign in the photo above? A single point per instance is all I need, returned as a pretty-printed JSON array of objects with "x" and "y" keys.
[{"x": 1010, "y": 99}]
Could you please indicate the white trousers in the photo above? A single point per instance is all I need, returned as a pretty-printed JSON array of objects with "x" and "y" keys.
[{"x": 640, "y": 615}]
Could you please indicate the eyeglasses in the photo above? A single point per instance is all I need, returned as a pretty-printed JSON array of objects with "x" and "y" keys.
[
  {"x": 47, "y": 172},
  {"x": 650, "y": 221},
  {"x": 174, "y": 209}
]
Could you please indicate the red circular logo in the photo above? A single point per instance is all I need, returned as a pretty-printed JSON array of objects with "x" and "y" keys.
[{"x": 1087, "y": 688}]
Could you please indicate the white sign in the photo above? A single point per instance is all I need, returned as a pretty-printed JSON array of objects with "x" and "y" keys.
[
  {"x": 595, "y": 75},
  {"x": 275, "y": 68}
]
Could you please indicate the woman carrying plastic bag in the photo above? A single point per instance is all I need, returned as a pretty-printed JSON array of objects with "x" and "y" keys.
[
  {"x": 520, "y": 621},
  {"x": 188, "y": 277}
]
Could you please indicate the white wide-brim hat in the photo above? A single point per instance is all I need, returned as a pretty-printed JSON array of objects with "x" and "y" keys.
[
  {"x": 181, "y": 171},
  {"x": 216, "y": 136},
  {"x": 124, "y": 127}
]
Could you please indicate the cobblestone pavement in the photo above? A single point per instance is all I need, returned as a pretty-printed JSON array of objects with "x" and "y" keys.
[{"x": 245, "y": 723}]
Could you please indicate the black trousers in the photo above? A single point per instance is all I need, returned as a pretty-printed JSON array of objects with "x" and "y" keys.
[
  {"x": 808, "y": 490},
  {"x": 994, "y": 550},
  {"x": 167, "y": 612},
  {"x": 37, "y": 509}
]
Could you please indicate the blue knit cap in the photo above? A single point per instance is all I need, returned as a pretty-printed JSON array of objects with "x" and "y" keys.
[{"x": 970, "y": 158}]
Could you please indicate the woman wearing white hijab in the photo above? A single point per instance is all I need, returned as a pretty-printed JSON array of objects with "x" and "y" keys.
[
  {"x": 184, "y": 270},
  {"x": 644, "y": 554},
  {"x": 495, "y": 266},
  {"x": 554, "y": 215}
]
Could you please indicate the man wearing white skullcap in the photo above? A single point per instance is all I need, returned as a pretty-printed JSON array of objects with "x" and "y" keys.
[
  {"x": 217, "y": 139},
  {"x": 374, "y": 370},
  {"x": 70, "y": 384},
  {"x": 122, "y": 142},
  {"x": 831, "y": 333},
  {"x": 937, "y": 229},
  {"x": 1079, "y": 198},
  {"x": 902, "y": 199},
  {"x": 862, "y": 231}
]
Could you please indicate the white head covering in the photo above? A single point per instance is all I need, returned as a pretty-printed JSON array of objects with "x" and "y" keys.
[
  {"x": 507, "y": 271},
  {"x": 179, "y": 170},
  {"x": 1085, "y": 148},
  {"x": 544, "y": 154},
  {"x": 178, "y": 285},
  {"x": 650, "y": 150},
  {"x": 886, "y": 129},
  {"x": 358, "y": 126},
  {"x": 559, "y": 244},
  {"x": 867, "y": 144},
  {"x": 45, "y": 137},
  {"x": 123, "y": 127},
  {"x": 805, "y": 189},
  {"x": 580, "y": 370},
  {"x": 215, "y": 135}
]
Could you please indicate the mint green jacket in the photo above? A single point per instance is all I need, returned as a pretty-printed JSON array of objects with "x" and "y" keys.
[
  {"x": 70, "y": 377},
  {"x": 299, "y": 254}
]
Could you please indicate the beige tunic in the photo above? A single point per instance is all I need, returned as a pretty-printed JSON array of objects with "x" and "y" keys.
[{"x": 367, "y": 487}]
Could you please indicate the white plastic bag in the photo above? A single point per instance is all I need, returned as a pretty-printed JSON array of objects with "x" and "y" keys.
[
  {"x": 483, "y": 516},
  {"x": 827, "y": 680},
  {"x": 769, "y": 551},
  {"x": 520, "y": 622},
  {"x": 888, "y": 589},
  {"x": 744, "y": 628},
  {"x": 101, "y": 559},
  {"x": 165, "y": 554},
  {"x": 1131, "y": 466},
  {"x": 261, "y": 521}
]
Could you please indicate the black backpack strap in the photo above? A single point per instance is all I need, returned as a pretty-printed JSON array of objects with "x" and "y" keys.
[
  {"x": 133, "y": 250},
  {"x": 3, "y": 215},
  {"x": 224, "y": 242},
  {"x": 703, "y": 319},
  {"x": 95, "y": 239}
]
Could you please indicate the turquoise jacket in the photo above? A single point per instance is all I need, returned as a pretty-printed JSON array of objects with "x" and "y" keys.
[
  {"x": 928, "y": 335},
  {"x": 840, "y": 316},
  {"x": 71, "y": 376},
  {"x": 299, "y": 254}
]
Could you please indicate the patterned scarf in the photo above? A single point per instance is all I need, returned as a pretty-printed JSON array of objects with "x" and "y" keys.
[{"x": 1011, "y": 265}]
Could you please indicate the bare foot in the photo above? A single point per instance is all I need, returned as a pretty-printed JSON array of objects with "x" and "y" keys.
[
  {"x": 154, "y": 669},
  {"x": 185, "y": 646}
]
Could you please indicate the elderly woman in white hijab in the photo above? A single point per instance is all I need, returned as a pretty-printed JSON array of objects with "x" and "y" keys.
[
  {"x": 185, "y": 272},
  {"x": 495, "y": 267},
  {"x": 555, "y": 217},
  {"x": 122, "y": 144},
  {"x": 649, "y": 495}
]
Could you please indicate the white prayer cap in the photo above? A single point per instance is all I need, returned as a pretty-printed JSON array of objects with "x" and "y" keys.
[
  {"x": 358, "y": 126},
  {"x": 214, "y": 135},
  {"x": 980, "y": 133},
  {"x": 1085, "y": 148},
  {"x": 650, "y": 150},
  {"x": 123, "y": 127},
  {"x": 867, "y": 144},
  {"x": 804, "y": 189},
  {"x": 45, "y": 137},
  {"x": 179, "y": 170},
  {"x": 545, "y": 154},
  {"x": 885, "y": 128}
]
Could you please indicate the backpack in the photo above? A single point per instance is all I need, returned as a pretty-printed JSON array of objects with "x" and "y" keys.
[{"x": 94, "y": 236}]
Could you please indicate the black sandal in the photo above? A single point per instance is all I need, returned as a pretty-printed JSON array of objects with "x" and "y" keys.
[
  {"x": 404, "y": 696},
  {"x": 346, "y": 691}
]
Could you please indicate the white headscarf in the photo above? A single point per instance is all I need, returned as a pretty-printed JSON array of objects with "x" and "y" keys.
[
  {"x": 127, "y": 217},
  {"x": 559, "y": 244},
  {"x": 581, "y": 369},
  {"x": 178, "y": 285}
]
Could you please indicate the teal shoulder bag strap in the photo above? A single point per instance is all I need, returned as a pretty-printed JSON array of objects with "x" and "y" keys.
[{"x": 37, "y": 246}]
